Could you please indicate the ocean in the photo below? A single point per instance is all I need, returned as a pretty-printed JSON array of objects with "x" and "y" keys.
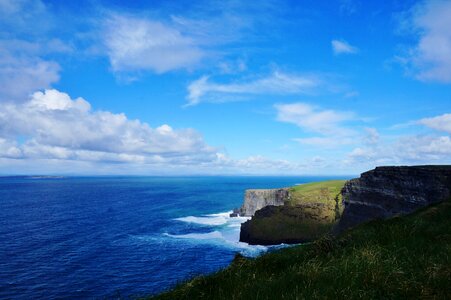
[{"x": 104, "y": 237}]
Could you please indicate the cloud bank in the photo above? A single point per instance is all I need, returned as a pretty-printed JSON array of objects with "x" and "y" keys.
[{"x": 57, "y": 127}]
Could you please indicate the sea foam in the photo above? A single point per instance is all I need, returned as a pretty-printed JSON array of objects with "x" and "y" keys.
[{"x": 225, "y": 232}]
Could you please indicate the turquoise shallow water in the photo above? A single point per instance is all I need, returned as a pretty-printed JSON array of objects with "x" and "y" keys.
[{"x": 94, "y": 237}]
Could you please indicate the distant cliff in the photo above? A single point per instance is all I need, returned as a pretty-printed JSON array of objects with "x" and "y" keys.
[
  {"x": 302, "y": 213},
  {"x": 389, "y": 191},
  {"x": 257, "y": 199}
]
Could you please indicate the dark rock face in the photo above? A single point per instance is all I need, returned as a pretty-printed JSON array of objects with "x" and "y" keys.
[
  {"x": 389, "y": 191},
  {"x": 287, "y": 224}
]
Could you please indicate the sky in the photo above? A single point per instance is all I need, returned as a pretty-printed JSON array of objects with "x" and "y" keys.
[{"x": 96, "y": 87}]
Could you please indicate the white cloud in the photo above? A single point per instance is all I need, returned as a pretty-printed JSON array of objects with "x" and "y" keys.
[
  {"x": 325, "y": 142},
  {"x": 343, "y": 47},
  {"x": 440, "y": 123},
  {"x": 136, "y": 44},
  {"x": 58, "y": 127},
  {"x": 24, "y": 45},
  {"x": 258, "y": 164},
  {"x": 9, "y": 149},
  {"x": 18, "y": 15},
  {"x": 19, "y": 76},
  {"x": 407, "y": 149},
  {"x": 328, "y": 123},
  {"x": 372, "y": 136},
  {"x": 53, "y": 132},
  {"x": 426, "y": 149},
  {"x": 431, "y": 57},
  {"x": 313, "y": 119},
  {"x": 277, "y": 83}
]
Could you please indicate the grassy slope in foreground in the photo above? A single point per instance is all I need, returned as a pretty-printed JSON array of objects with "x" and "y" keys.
[{"x": 403, "y": 258}]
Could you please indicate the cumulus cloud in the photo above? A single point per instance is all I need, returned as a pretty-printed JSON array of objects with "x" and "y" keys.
[
  {"x": 57, "y": 126},
  {"x": 424, "y": 149},
  {"x": 343, "y": 47},
  {"x": 431, "y": 56},
  {"x": 24, "y": 47},
  {"x": 276, "y": 83},
  {"x": 313, "y": 119},
  {"x": 440, "y": 123},
  {"x": 407, "y": 149},
  {"x": 329, "y": 124},
  {"x": 64, "y": 134},
  {"x": 137, "y": 44},
  {"x": 19, "y": 76}
]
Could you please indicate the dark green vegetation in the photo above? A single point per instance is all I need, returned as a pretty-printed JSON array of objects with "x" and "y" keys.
[
  {"x": 311, "y": 212},
  {"x": 402, "y": 258}
]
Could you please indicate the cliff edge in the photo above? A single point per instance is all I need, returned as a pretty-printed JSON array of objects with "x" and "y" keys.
[
  {"x": 256, "y": 199},
  {"x": 389, "y": 191},
  {"x": 303, "y": 213}
]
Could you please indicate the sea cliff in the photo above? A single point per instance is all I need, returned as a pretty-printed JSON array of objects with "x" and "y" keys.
[
  {"x": 256, "y": 199},
  {"x": 302, "y": 213},
  {"x": 306, "y": 212},
  {"x": 390, "y": 191}
]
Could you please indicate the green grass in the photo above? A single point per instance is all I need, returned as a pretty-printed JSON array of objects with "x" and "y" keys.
[
  {"x": 327, "y": 192},
  {"x": 316, "y": 192},
  {"x": 402, "y": 258}
]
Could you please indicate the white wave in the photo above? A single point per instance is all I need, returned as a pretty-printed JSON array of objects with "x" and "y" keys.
[
  {"x": 226, "y": 238},
  {"x": 215, "y": 219},
  {"x": 197, "y": 236},
  {"x": 206, "y": 220},
  {"x": 225, "y": 232}
]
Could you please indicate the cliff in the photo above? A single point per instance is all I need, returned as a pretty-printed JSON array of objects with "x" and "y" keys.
[
  {"x": 257, "y": 199},
  {"x": 307, "y": 212},
  {"x": 389, "y": 191},
  {"x": 287, "y": 224}
]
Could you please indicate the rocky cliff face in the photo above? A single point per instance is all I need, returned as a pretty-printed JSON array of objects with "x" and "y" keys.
[
  {"x": 257, "y": 199},
  {"x": 287, "y": 224},
  {"x": 389, "y": 191}
]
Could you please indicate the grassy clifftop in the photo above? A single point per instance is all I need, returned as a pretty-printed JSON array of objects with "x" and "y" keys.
[
  {"x": 316, "y": 192},
  {"x": 326, "y": 192},
  {"x": 312, "y": 210},
  {"x": 402, "y": 258}
]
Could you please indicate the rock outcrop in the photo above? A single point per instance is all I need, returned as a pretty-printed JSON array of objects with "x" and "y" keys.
[
  {"x": 389, "y": 191},
  {"x": 309, "y": 211},
  {"x": 257, "y": 199},
  {"x": 287, "y": 224}
]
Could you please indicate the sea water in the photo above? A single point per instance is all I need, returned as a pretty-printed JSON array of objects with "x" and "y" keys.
[{"x": 96, "y": 237}]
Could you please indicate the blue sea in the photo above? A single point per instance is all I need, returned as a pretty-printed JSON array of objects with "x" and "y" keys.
[{"x": 104, "y": 237}]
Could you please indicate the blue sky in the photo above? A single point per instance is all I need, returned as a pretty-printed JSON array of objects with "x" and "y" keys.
[{"x": 223, "y": 87}]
